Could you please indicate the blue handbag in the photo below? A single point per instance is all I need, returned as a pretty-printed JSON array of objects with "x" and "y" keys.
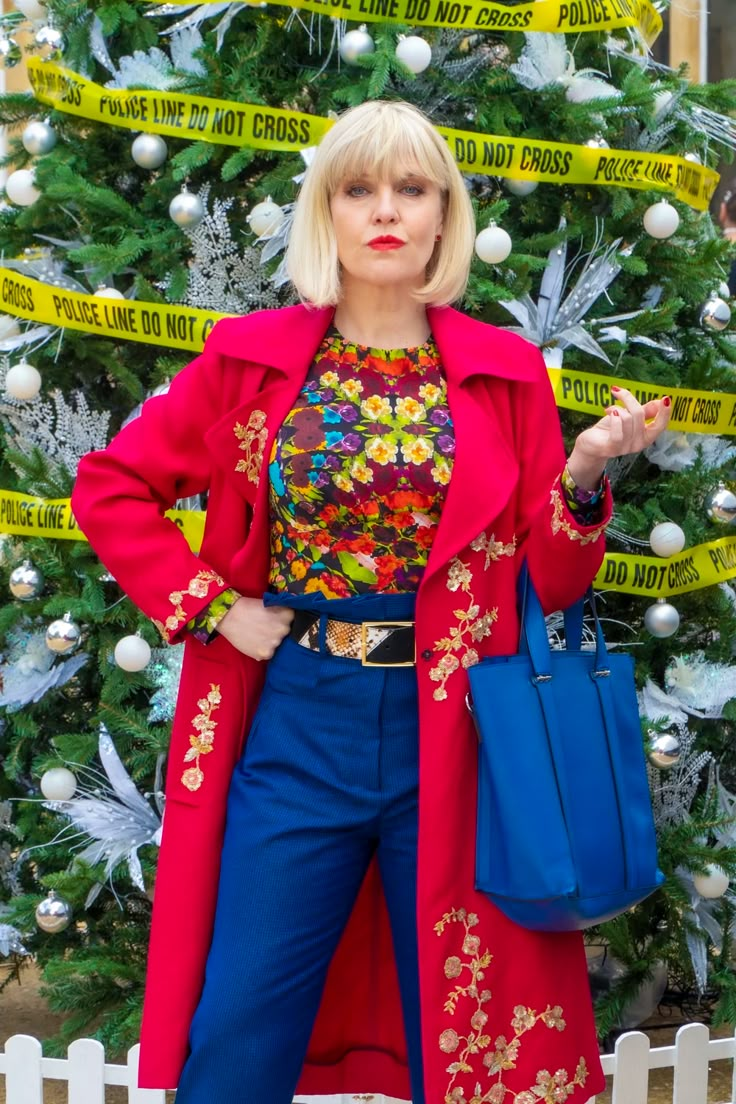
[{"x": 565, "y": 835}]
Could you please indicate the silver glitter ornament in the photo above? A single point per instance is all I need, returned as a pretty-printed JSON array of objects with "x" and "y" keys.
[
  {"x": 50, "y": 37},
  {"x": 664, "y": 750},
  {"x": 720, "y": 505},
  {"x": 53, "y": 914},
  {"x": 186, "y": 209},
  {"x": 661, "y": 619},
  {"x": 39, "y": 138},
  {"x": 356, "y": 44},
  {"x": 25, "y": 582},
  {"x": 715, "y": 314},
  {"x": 149, "y": 151},
  {"x": 63, "y": 636},
  {"x": 10, "y": 51}
]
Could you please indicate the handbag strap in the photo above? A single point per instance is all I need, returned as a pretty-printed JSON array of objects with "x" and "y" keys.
[{"x": 533, "y": 638}]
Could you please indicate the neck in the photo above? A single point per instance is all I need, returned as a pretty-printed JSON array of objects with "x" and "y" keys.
[{"x": 382, "y": 317}]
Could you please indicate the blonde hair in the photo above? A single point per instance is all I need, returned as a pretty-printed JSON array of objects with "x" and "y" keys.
[{"x": 379, "y": 136}]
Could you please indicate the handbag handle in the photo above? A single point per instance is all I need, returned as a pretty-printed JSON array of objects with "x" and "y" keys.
[{"x": 533, "y": 638}]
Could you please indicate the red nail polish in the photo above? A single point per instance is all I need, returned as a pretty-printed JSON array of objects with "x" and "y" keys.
[
  {"x": 615, "y": 413},
  {"x": 615, "y": 388},
  {"x": 666, "y": 400}
]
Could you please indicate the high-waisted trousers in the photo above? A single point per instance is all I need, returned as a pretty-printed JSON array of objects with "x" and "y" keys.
[{"x": 327, "y": 779}]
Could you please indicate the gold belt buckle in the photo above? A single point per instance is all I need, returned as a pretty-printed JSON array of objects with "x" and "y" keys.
[{"x": 365, "y": 625}]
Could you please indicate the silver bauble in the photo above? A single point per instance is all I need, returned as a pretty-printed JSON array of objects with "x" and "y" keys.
[
  {"x": 149, "y": 151},
  {"x": 715, "y": 314},
  {"x": 25, "y": 582},
  {"x": 355, "y": 44},
  {"x": 38, "y": 138},
  {"x": 10, "y": 51},
  {"x": 661, "y": 619},
  {"x": 664, "y": 750},
  {"x": 520, "y": 187},
  {"x": 186, "y": 209},
  {"x": 51, "y": 37},
  {"x": 53, "y": 914},
  {"x": 598, "y": 142},
  {"x": 63, "y": 636},
  {"x": 720, "y": 505}
]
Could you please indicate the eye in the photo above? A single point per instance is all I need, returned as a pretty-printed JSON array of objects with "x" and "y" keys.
[
  {"x": 355, "y": 189},
  {"x": 413, "y": 189}
]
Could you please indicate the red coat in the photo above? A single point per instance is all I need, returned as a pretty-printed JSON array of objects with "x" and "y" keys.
[{"x": 500, "y": 1005}]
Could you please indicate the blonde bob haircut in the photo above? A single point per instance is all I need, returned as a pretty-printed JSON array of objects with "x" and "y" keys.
[{"x": 380, "y": 137}]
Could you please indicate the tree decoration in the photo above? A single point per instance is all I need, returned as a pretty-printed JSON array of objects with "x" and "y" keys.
[
  {"x": 26, "y": 582},
  {"x": 23, "y": 381},
  {"x": 715, "y": 314},
  {"x": 662, "y": 619},
  {"x": 186, "y": 209},
  {"x": 667, "y": 539},
  {"x": 132, "y": 653},
  {"x": 20, "y": 187},
  {"x": 661, "y": 220},
  {"x": 149, "y": 151},
  {"x": 356, "y": 44},
  {"x": 39, "y": 138},
  {"x": 54, "y": 914},
  {"x": 493, "y": 245},
  {"x": 265, "y": 218},
  {"x": 720, "y": 505},
  {"x": 63, "y": 636},
  {"x": 415, "y": 52},
  {"x": 58, "y": 784}
]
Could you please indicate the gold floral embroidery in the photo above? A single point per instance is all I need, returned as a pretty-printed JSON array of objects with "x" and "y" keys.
[
  {"x": 549, "y": 1088},
  {"x": 561, "y": 524},
  {"x": 196, "y": 588},
  {"x": 202, "y": 739},
  {"x": 460, "y": 577},
  {"x": 252, "y": 439},
  {"x": 493, "y": 549}
]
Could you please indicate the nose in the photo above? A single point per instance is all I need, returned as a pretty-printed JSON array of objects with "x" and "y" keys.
[{"x": 384, "y": 209}]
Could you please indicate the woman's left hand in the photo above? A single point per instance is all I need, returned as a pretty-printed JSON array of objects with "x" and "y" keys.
[{"x": 619, "y": 432}]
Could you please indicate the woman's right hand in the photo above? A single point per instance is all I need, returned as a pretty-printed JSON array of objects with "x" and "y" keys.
[{"x": 254, "y": 629}]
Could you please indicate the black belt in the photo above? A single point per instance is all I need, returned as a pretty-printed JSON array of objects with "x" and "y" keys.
[{"x": 374, "y": 643}]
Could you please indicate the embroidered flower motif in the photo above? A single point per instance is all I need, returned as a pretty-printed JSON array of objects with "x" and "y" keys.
[
  {"x": 202, "y": 739},
  {"x": 460, "y": 577},
  {"x": 361, "y": 472},
  {"x": 560, "y": 524},
  {"x": 493, "y": 549},
  {"x": 430, "y": 393},
  {"x": 352, "y": 388},
  {"x": 197, "y": 587},
  {"x": 329, "y": 379},
  {"x": 441, "y": 472},
  {"x": 547, "y": 1089},
  {"x": 252, "y": 439}
]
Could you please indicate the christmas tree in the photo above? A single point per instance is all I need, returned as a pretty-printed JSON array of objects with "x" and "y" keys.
[{"x": 153, "y": 166}]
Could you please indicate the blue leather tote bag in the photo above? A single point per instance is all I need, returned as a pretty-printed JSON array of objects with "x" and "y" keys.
[{"x": 565, "y": 835}]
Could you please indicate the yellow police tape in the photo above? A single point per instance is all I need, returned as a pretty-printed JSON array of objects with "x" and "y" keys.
[
  {"x": 703, "y": 565},
  {"x": 130, "y": 319},
  {"x": 695, "y": 568},
  {"x": 692, "y": 411},
  {"x": 558, "y": 16},
  {"x": 237, "y": 124},
  {"x": 28, "y": 516}
]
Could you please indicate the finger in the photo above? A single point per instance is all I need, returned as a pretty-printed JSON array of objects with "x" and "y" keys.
[
  {"x": 615, "y": 428},
  {"x": 620, "y": 394},
  {"x": 660, "y": 423}
]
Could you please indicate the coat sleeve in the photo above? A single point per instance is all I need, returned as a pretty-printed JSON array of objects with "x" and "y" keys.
[
  {"x": 122, "y": 493},
  {"x": 563, "y": 555}
]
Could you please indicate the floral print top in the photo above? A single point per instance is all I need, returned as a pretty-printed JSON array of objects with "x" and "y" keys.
[{"x": 359, "y": 471}]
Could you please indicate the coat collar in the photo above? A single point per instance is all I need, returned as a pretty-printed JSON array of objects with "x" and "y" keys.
[{"x": 287, "y": 339}]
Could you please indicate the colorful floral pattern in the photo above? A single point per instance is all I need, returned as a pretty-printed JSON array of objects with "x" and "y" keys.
[{"x": 359, "y": 471}]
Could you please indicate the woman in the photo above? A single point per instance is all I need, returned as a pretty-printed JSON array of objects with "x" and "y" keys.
[{"x": 378, "y": 464}]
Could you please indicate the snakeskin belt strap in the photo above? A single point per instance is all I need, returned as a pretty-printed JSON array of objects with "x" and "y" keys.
[{"x": 374, "y": 643}]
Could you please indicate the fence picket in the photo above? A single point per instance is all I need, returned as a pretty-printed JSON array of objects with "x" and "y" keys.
[
  {"x": 25, "y": 1069},
  {"x": 691, "y": 1065}
]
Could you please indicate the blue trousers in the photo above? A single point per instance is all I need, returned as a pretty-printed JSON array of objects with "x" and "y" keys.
[{"x": 328, "y": 778}]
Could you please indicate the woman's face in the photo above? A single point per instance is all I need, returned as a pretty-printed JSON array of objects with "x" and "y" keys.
[{"x": 406, "y": 209}]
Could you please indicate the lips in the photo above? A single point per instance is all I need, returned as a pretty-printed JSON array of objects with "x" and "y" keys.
[{"x": 386, "y": 240}]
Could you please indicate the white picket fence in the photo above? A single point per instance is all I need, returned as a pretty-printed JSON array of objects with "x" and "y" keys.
[{"x": 25, "y": 1070}]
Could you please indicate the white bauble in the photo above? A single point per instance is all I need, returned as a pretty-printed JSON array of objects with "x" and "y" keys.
[
  {"x": 265, "y": 218},
  {"x": 31, "y": 9},
  {"x": 415, "y": 52},
  {"x": 20, "y": 187},
  {"x": 661, "y": 220},
  {"x": 598, "y": 142},
  {"x": 186, "y": 209},
  {"x": 493, "y": 244},
  {"x": 149, "y": 151},
  {"x": 105, "y": 292},
  {"x": 132, "y": 653},
  {"x": 58, "y": 784},
  {"x": 355, "y": 44},
  {"x": 38, "y": 138},
  {"x": 667, "y": 539},
  {"x": 694, "y": 157},
  {"x": 23, "y": 381},
  {"x": 713, "y": 884},
  {"x": 8, "y": 326},
  {"x": 520, "y": 187},
  {"x": 662, "y": 619}
]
